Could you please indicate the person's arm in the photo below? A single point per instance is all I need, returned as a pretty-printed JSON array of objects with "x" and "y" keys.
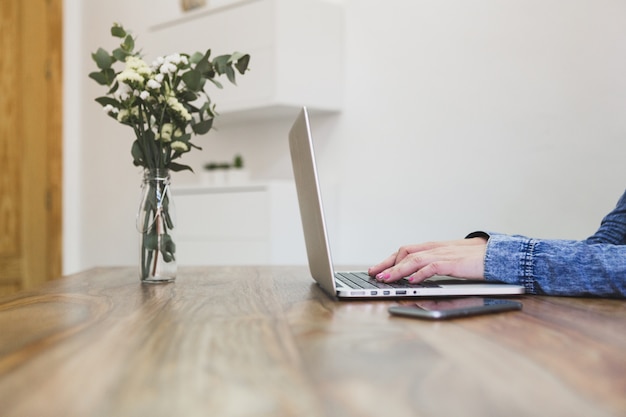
[
  {"x": 557, "y": 267},
  {"x": 595, "y": 266},
  {"x": 546, "y": 267}
]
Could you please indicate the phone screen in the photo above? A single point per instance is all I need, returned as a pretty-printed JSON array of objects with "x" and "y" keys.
[{"x": 446, "y": 308}]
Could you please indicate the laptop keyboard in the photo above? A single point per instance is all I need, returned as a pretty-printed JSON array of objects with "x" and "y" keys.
[{"x": 362, "y": 280}]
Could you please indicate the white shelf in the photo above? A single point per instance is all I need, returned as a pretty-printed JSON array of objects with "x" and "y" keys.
[
  {"x": 249, "y": 224},
  {"x": 296, "y": 49}
]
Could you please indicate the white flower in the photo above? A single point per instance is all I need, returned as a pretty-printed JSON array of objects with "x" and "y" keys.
[
  {"x": 166, "y": 132},
  {"x": 130, "y": 77},
  {"x": 123, "y": 92},
  {"x": 122, "y": 116},
  {"x": 168, "y": 68},
  {"x": 153, "y": 84},
  {"x": 159, "y": 78},
  {"x": 144, "y": 95},
  {"x": 178, "y": 108},
  {"x": 138, "y": 65},
  {"x": 179, "y": 146},
  {"x": 109, "y": 109}
]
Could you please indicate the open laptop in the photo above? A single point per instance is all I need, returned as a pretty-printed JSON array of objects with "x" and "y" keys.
[{"x": 357, "y": 284}]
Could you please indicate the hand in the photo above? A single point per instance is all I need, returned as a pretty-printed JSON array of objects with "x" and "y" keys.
[{"x": 457, "y": 258}]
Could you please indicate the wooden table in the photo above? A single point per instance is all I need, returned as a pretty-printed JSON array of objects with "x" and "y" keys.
[{"x": 266, "y": 341}]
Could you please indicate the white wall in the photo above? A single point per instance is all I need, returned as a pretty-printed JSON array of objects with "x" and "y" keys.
[{"x": 458, "y": 116}]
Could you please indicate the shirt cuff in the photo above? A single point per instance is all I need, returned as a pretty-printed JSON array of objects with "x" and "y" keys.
[{"x": 510, "y": 259}]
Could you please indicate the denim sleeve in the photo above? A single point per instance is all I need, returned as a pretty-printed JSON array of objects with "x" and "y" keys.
[
  {"x": 592, "y": 267},
  {"x": 557, "y": 267}
]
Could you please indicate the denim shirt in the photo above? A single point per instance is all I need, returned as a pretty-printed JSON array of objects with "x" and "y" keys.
[{"x": 592, "y": 267}]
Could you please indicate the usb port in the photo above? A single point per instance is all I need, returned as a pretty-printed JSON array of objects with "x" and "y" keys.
[
  {"x": 401, "y": 292},
  {"x": 374, "y": 292}
]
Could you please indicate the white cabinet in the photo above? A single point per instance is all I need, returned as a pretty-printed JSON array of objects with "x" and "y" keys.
[
  {"x": 296, "y": 49},
  {"x": 256, "y": 224}
]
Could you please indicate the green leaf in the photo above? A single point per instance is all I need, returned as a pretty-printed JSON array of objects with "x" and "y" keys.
[
  {"x": 120, "y": 54},
  {"x": 107, "y": 100},
  {"x": 221, "y": 63},
  {"x": 149, "y": 136},
  {"x": 118, "y": 31},
  {"x": 187, "y": 96},
  {"x": 193, "y": 80},
  {"x": 242, "y": 63},
  {"x": 166, "y": 256},
  {"x": 194, "y": 146},
  {"x": 169, "y": 223},
  {"x": 203, "y": 65},
  {"x": 197, "y": 57},
  {"x": 173, "y": 166},
  {"x": 206, "y": 108},
  {"x": 230, "y": 73},
  {"x": 202, "y": 127},
  {"x": 235, "y": 56},
  {"x": 150, "y": 241},
  {"x": 102, "y": 58},
  {"x": 167, "y": 242},
  {"x": 128, "y": 44},
  {"x": 184, "y": 138},
  {"x": 99, "y": 77},
  {"x": 137, "y": 153},
  {"x": 104, "y": 77}
]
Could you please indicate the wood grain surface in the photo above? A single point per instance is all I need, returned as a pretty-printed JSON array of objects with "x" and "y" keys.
[{"x": 266, "y": 341}]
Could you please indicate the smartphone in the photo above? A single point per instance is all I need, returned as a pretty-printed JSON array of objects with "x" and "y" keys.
[{"x": 447, "y": 308}]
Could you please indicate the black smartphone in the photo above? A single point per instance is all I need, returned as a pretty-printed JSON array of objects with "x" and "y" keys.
[{"x": 447, "y": 308}]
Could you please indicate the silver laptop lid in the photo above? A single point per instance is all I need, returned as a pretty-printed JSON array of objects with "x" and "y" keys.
[{"x": 310, "y": 201}]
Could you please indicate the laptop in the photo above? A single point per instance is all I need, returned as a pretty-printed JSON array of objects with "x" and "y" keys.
[{"x": 356, "y": 284}]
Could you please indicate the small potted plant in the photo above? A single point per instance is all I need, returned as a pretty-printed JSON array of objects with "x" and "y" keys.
[{"x": 225, "y": 173}]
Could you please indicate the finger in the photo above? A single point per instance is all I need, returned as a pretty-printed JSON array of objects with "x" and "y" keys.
[
  {"x": 407, "y": 250},
  {"x": 378, "y": 268},
  {"x": 402, "y": 253},
  {"x": 408, "y": 266},
  {"x": 380, "y": 271}
]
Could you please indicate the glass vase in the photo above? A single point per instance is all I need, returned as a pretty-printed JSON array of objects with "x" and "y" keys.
[{"x": 155, "y": 224}]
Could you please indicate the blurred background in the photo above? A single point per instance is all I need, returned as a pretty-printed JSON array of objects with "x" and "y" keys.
[{"x": 433, "y": 119}]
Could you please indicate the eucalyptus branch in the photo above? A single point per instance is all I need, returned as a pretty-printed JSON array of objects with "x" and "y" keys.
[{"x": 171, "y": 92}]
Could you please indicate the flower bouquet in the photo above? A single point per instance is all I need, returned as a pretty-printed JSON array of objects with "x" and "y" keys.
[{"x": 165, "y": 103}]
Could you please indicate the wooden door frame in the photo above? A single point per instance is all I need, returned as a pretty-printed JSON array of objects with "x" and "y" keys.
[{"x": 36, "y": 121}]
